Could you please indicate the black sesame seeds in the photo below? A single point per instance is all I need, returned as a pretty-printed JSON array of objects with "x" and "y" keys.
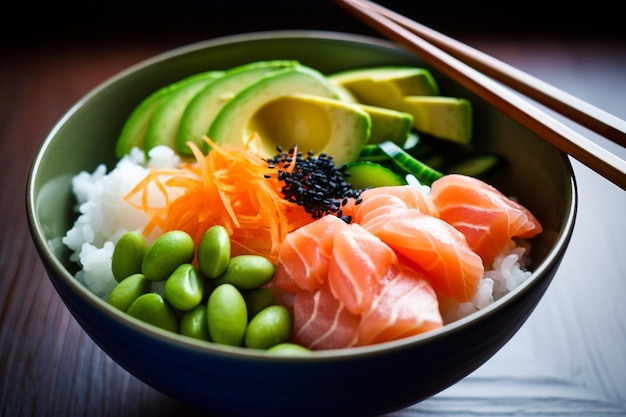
[{"x": 314, "y": 183}]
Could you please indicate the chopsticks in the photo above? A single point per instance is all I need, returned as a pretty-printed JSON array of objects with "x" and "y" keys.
[{"x": 440, "y": 51}]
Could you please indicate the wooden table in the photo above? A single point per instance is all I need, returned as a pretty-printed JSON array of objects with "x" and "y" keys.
[{"x": 568, "y": 360}]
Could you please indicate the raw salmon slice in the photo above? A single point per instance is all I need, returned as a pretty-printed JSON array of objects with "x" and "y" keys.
[
  {"x": 359, "y": 260},
  {"x": 487, "y": 218},
  {"x": 405, "y": 196},
  {"x": 406, "y": 305},
  {"x": 412, "y": 197},
  {"x": 304, "y": 256},
  {"x": 320, "y": 321},
  {"x": 434, "y": 246},
  {"x": 373, "y": 204}
]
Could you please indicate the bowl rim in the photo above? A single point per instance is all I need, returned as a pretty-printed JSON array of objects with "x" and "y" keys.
[{"x": 202, "y": 347}]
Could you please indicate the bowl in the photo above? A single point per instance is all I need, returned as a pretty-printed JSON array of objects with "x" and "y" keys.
[{"x": 232, "y": 381}]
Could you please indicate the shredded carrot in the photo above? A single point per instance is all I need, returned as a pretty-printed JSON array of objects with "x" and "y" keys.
[{"x": 230, "y": 186}]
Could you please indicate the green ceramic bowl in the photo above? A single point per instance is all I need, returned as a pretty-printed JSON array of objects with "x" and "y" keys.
[{"x": 239, "y": 382}]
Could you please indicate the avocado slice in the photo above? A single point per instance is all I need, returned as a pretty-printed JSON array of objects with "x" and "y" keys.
[
  {"x": 133, "y": 132},
  {"x": 163, "y": 126},
  {"x": 206, "y": 104},
  {"x": 280, "y": 121},
  {"x": 377, "y": 85},
  {"x": 314, "y": 123},
  {"x": 414, "y": 91},
  {"x": 388, "y": 125},
  {"x": 447, "y": 118}
]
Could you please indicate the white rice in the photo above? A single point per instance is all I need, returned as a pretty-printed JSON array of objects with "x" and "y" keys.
[
  {"x": 506, "y": 273},
  {"x": 104, "y": 215}
]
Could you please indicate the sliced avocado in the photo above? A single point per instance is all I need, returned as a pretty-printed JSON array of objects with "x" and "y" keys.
[
  {"x": 378, "y": 85},
  {"x": 262, "y": 107},
  {"x": 414, "y": 91},
  {"x": 133, "y": 133},
  {"x": 163, "y": 126},
  {"x": 204, "y": 106},
  {"x": 314, "y": 123},
  {"x": 344, "y": 94},
  {"x": 388, "y": 124},
  {"x": 443, "y": 117}
]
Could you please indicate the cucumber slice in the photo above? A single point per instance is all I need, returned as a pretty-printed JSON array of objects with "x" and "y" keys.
[
  {"x": 476, "y": 166},
  {"x": 424, "y": 173},
  {"x": 365, "y": 174},
  {"x": 372, "y": 153}
]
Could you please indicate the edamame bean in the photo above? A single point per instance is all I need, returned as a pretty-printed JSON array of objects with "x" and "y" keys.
[
  {"x": 257, "y": 299},
  {"x": 214, "y": 252},
  {"x": 184, "y": 288},
  {"x": 128, "y": 255},
  {"x": 288, "y": 349},
  {"x": 152, "y": 308},
  {"x": 193, "y": 323},
  {"x": 269, "y": 327},
  {"x": 227, "y": 315},
  {"x": 247, "y": 272},
  {"x": 128, "y": 290},
  {"x": 166, "y": 253}
]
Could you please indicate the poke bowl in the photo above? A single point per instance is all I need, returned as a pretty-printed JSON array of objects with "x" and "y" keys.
[{"x": 356, "y": 375}]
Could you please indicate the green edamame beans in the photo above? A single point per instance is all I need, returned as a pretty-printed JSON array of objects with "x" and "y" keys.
[
  {"x": 257, "y": 299},
  {"x": 184, "y": 288},
  {"x": 239, "y": 310},
  {"x": 166, "y": 253},
  {"x": 128, "y": 290},
  {"x": 153, "y": 309},
  {"x": 247, "y": 272},
  {"x": 128, "y": 255},
  {"x": 288, "y": 348},
  {"x": 227, "y": 315},
  {"x": 269, "y": 327},
  {"x": 193, "y": 323},
  {"x": 214, "y": 251}
]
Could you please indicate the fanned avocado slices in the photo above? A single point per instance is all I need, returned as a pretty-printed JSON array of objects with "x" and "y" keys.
[{"x": 133, "y": 133}]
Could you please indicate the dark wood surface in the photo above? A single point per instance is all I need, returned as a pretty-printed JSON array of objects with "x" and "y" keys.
[{"x": 568, "y": 360}]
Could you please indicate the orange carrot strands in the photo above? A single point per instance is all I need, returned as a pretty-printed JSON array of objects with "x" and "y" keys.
[{"x": 231, "y": 186}]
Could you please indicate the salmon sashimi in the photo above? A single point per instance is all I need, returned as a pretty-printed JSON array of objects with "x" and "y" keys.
[
  {"x": 406, "y": 305},
  {"x": 369, "y": 207},
  {"x": 405, "y": 196},
  {"x": 487, "y": 218},
  {"x": 358, "y": 261},
  {"x": 412, "y": 197},
  {"x": 321, "y": 321},
  {"x": 434, "y": 246},
  {"x": 304, "y": 256}
]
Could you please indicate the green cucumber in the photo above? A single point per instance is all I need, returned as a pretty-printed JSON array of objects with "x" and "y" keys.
[
  {"x": 372, "y": 153},
  {"x": 424, "y": 173},
  {"x": 365, "y": 174},
  {"x": 476, "y": 166}
]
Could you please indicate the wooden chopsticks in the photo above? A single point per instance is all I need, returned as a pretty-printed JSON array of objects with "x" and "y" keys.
[{"x": 440, "y": 51}]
